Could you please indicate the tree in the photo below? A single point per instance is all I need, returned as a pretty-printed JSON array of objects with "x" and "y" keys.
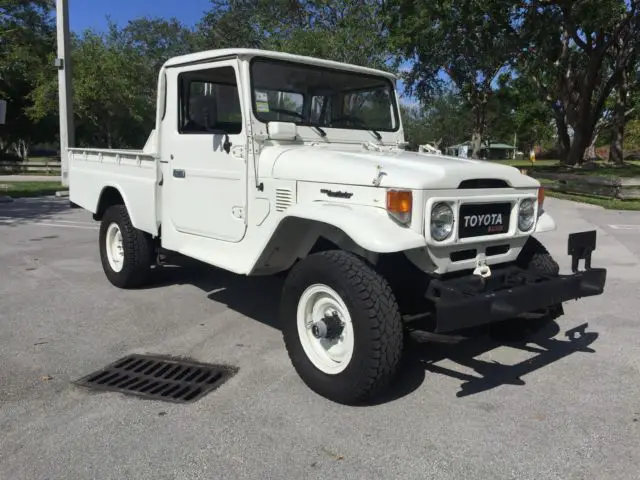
[
  {"x": 575, "y": 51},
  {"x": 351, "y": 31},
  {"x": 115, "y": 80},
  {"x": 27, "y": 39},
  {"x": 627, "y": 98},
  {"x": 470, "y": 42},
  {"x": 516, "y": 111}
]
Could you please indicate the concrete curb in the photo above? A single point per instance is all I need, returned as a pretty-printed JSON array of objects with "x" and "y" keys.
[{"x": 62, "y": 193}]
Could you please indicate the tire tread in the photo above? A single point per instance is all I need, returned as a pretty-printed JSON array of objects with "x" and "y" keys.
[
  {"x": 138, "y": 248},
  {"x": 374, "y": 294}
]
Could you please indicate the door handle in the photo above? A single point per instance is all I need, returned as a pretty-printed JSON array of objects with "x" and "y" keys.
[{"x": 179, "y": 173}]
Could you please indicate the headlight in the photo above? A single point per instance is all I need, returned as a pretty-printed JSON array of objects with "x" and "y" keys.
[
  {"x": 441, "y": 221},
  {"x": 526, "y": 215}
]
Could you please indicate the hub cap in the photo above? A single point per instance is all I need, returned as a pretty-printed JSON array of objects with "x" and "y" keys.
[
  {"x": 115, "y": 250},
  {"x": 325, "y": 329}
]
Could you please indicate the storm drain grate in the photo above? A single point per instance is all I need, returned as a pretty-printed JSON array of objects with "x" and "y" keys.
[{"x": 159, "y": 378}]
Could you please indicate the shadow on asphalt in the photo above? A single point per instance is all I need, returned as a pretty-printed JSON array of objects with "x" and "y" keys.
[
  {"x": 544, "y": 344},
  {"x": 255, "y": 297},
  {"x": 258, "y": 298},
  {"x": 23, "y": 211}
]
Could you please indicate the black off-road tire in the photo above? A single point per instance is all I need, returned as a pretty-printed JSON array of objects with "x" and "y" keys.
[
  {"x": 377, "y": 326},
  {"x": 138, "y": 249},
  {"x": 536, "y": 257}
]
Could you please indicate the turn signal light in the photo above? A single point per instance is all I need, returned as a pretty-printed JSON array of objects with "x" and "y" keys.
[
  {"x": 400, "y": 204},
  {"x": 540, "y": 197}
]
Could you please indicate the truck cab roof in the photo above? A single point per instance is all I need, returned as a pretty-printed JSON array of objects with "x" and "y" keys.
[{"x": 215, "y": 54}]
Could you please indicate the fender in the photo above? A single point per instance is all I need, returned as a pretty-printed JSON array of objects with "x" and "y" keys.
[
  {"x": 369, "y": 227},
  {"x": 139, "y": 215},
  {"x": 545, "y": 223}
]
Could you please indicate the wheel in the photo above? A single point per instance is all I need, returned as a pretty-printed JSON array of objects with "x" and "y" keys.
[
  {"x": 534, "y": 257},
  {"x": 126, "y": 252},
  {"x": 341, "y": 326}
]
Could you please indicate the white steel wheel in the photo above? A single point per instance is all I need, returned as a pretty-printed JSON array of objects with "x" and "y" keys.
[
  {"x": 325, "y": 329},
  {"x": 114, "y": 247}
]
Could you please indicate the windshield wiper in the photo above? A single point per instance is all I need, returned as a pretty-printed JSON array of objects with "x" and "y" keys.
[
  {"x": 319, "y": 130},
  {"x": 375, "y": 132}
]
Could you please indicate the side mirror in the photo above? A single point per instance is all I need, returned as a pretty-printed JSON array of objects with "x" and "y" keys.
[{"x": 282, "y": 131}]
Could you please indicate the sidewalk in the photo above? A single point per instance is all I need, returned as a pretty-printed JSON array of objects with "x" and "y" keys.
[{"x": 30, "y": 178}]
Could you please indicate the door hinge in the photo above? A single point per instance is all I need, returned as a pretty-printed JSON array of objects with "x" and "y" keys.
[
  {"x": 237, "y": 212},
  {"x": 238, "y": 151}
]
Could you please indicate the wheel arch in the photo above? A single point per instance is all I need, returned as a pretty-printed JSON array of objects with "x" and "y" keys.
[
  {"x": 320, "y": 228},
  {"x": 111, "y": 195}
]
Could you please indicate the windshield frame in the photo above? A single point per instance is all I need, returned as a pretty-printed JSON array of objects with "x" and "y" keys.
[{"x": 396, "y": 117}]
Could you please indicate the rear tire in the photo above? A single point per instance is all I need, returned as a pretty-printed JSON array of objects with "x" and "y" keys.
[
  {"x": 126, "y": 253},
  {"x": 359, "y": 359}
]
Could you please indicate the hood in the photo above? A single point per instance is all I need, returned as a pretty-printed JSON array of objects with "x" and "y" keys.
[{"x": 399, "y": 168}]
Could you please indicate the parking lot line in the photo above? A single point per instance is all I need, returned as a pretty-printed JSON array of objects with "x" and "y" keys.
[
  {"x": 63, "y": 225},
  {"x": 625, "y": 227}
]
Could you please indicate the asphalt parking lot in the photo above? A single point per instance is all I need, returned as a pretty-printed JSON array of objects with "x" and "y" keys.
[{"x": 563, "y": 404}]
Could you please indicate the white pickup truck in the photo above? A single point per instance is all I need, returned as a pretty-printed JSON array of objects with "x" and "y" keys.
[{"x": 264, "y": 163}]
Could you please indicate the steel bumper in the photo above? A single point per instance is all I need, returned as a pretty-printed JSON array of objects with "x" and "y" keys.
[{"x": 471, "y": 300}]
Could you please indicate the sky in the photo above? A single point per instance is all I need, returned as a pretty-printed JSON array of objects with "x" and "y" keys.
[{"x": 93, "y": 13}]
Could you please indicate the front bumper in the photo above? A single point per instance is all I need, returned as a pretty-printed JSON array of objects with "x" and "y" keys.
[{"x": 470, "y": 300}]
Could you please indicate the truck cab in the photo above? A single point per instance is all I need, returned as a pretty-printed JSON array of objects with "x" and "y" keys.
[{"x": 264, "y": 162}]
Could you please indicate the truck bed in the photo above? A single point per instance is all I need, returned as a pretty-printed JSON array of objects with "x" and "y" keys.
[{"x": 132, "y": 173}]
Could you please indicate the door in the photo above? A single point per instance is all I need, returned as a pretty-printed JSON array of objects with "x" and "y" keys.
[{"x": 205, "y": 146}]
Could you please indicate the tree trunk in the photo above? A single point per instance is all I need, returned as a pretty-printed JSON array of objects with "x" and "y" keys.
[
  {"x": 479, "y": 111},
  {"x": 617, "y": 133},
  {"x": 564, "y": 141},
  {"x": 580, "y": 143},
  {"x": 109, "y": 143},
  {"x": 476, "y": 143},
  {"x": 590, "y": 152}
]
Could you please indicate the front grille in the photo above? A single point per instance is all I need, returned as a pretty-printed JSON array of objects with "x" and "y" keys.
[
  {"x": 496, "y": 250},
  {"x": 461, "y": 255},
  {"x": 482, "y": 219}
]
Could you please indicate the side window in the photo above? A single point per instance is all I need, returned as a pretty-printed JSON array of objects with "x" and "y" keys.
[{"x": 209, "y": 102}]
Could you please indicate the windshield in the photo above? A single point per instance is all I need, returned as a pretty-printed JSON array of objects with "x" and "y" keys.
[{"x": 322, "y": 97}]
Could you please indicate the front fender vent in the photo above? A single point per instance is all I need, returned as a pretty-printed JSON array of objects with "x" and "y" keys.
[
  {"x": 284, "y": 199},
  {"x": 483, "y": 183}
]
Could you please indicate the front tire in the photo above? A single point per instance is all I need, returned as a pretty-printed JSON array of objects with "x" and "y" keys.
[
  {"x": 535, "y": 258},
  {"x": 126, "y": 253},
  {"x": 341, "y": 326}
]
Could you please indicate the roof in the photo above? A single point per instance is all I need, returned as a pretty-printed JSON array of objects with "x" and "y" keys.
[{"x": 205, "y": 55}]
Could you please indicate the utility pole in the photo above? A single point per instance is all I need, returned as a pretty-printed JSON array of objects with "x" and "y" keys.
[{"x": 65, "y": 91}]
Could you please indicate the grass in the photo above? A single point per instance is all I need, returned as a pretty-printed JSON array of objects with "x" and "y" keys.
[
  {"x": 630, "y": 169},
  {"x": 31, "y": 173},
  {"x": 527, "y": 164},
  {"x": 605, "y": 202},
  {"x": 29, "y": 189}
]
